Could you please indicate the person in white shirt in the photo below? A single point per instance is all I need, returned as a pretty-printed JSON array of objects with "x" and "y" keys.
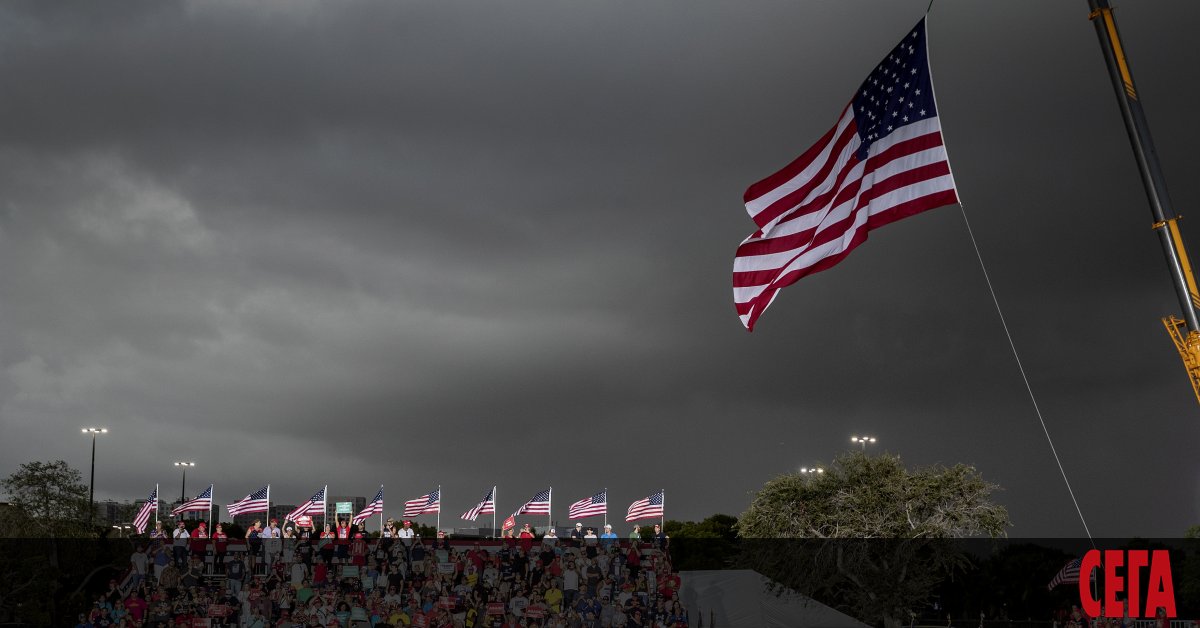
[
  {"x": 139, "y": 560},
  {"x": 180, "y": 547},
  {"x": 406, "y": 533},
  {"x": 271, "y": 542}
]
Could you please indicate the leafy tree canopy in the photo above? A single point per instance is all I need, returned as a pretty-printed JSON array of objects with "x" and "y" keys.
[
  {"x": 868, "y": 536},
  {"x": 862, "y": 496},
  {"x": 49, "y": 499}
]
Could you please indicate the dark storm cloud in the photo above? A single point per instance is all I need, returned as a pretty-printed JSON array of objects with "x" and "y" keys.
[{"x": 432, "y": 243}]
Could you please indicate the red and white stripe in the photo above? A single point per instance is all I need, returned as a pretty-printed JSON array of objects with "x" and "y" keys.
[
  {"x": 813, "y": 212},
  {"x": 589, "y": 506},
  {"x": 485, "y": 507},
  {"x": 143, "y": 516},
  {"x": 372, "y": 509},
  {"x": 427, "y": 504}
]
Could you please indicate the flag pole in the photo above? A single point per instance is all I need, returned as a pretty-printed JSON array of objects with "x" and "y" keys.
[
  {"x": 269, "y": 505},
  {"x": 381, "y": 512},
  {"x": 439, "y": 512},
  {"x": 606, "y": 506},
  {"x": 212, "y": 501},
  {"x": 1165, "y": 219},
  {"x": 494, "y": 489},
  {"x": 663, "y": 517},
  {"x": 550, "y": 509},
  {"x": 156, "y": 506}
]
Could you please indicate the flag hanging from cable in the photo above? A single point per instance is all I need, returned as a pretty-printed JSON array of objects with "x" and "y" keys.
[
  {"x": 1069, "y": 574},
  {"x": 202, "y": 503},
  {"x": 143, "y": 515},
  {"x": 429, "y": 503},
  {"x": 589, "y": 506},
  {"x": 539, "y": 505},
  {"x": 373, "y": 508},
  {"x": 485, "y": 507},
  {"x": 884, "y": 160},
  {"x": 647, "y": 508},
  {"x": 254, "y": 502},
  {"x": 315, "y": 505}
]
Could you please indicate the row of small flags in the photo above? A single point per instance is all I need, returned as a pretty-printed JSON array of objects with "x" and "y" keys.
[{"x": 430, "y": 503}]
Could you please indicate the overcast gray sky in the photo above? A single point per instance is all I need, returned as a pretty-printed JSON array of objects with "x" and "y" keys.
[{"x": 476, "y": 243}]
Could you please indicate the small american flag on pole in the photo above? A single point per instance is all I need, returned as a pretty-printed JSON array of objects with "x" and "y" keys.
[
  {"x": 428, "y": 503},
  {"x": 1069, "y": 574},
  {"x": 884, "y": 160},
  {"x": 203, "y": 502},
  {"x": 314, "y": 506},
  {"x": 539, "y": 505},
  {"x": 590, "y": 506},
  {"x": 485, "y": 507},
  {"x": 373, "y": 508},
  {"x": 143, "y": 515},
  {"x": 254, "y": 502},
  {"x": 647, "y": 508}
]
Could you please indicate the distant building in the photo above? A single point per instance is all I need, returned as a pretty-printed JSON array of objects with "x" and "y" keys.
[
  {"x": 281, "y": 511},
  {"x": 113, "y": 513}
]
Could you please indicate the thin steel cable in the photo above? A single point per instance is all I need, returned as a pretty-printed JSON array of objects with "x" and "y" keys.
[{"x": 1021, "y": 368}]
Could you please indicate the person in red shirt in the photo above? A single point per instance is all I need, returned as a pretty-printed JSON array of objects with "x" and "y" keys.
[
  {"x": 526, "y": 537},
  {"x": 320, "y": 571},
  {"x": 633, "y": 560},
  {"x": 220, "y": 541},
  {"x": 136, "y": 607},
  {"x": 358, "y": 550},
  {"x": 343, "y": 540},
  {"x": 199, "y": 540},
  {"x": 669, "y": 586}
]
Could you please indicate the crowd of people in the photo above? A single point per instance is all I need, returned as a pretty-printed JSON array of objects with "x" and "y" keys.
[{"x": 294, "y": 576}]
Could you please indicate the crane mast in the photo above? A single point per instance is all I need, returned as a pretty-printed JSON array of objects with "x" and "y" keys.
[{"x": 1185, "y": 330}]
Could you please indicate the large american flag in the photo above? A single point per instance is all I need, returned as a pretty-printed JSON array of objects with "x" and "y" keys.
[
  {"x": 589, "y": 506},
  {"x": 373, "y": 508},
  {"x": 428, "y": 503},
  {"x": 254, "y": 502},
  {"x": 883, "y": 161},
  {"x": 539, "y": 505},
  {"x": 143, "y": 515},
  {"x": 485, "y": 507},
  {"x": 647, "y": 508},
  {"x": 1067, "y": 575},
  {"x": 314, "y": 506},
  {"x": 202, "y": 503}
]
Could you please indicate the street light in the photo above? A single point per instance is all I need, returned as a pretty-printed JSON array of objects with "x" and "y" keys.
[
  {"x": 811, "y": 470},
  {"x": 863, "y": 440},
  {"x": 92, "y": 483},
  {"x": 183, "y": 488}
]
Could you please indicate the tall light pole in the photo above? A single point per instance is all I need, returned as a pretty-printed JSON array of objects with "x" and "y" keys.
[
  {"x": 863, "y": 440},
  {"x": 92, "y": 482},
  {"x": 183, "y": 488}
]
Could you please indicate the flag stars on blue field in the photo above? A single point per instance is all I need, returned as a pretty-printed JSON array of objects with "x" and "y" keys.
[{"x": 883, "y": 105}]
